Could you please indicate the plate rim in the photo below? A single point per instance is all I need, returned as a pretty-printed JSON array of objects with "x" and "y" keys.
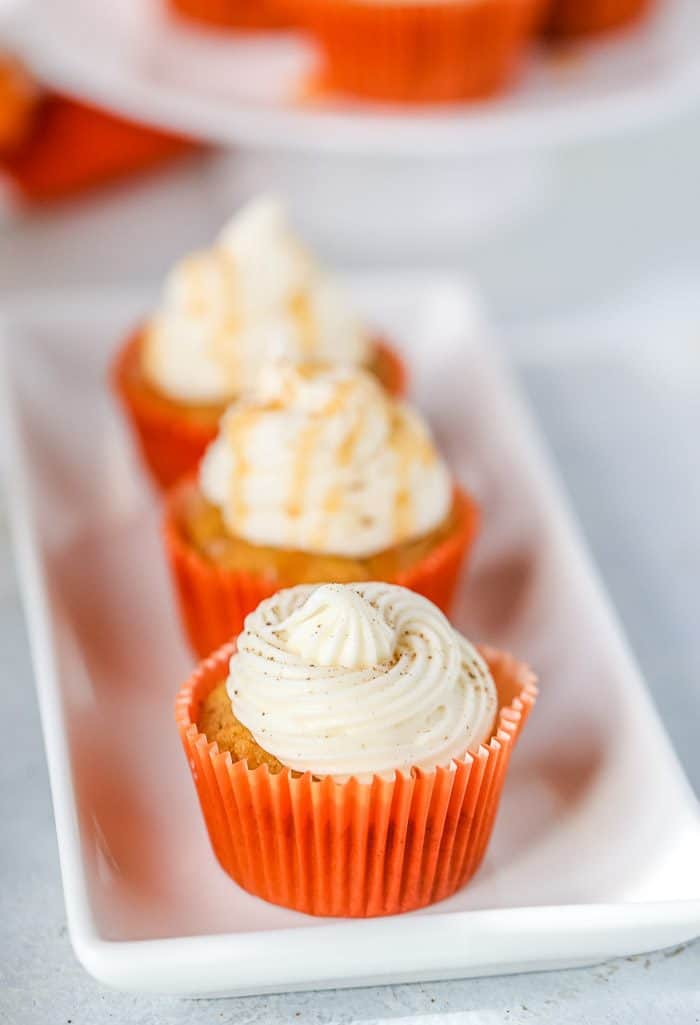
[{"x": 576, "y": 934}]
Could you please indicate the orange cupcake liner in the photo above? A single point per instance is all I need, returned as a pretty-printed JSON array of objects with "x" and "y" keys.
[
  {"x": 246, "y": 14},
  {"x": 171, "y": 444},
  {"x": 420, "y": 52},
  {"x": 214, "y": 601},
  {"x": 585, "y": 17},
  {"x": 352, "y": 849}
]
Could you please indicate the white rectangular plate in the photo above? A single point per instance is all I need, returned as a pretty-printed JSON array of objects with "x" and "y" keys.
[{"x": 596, "y": 849}]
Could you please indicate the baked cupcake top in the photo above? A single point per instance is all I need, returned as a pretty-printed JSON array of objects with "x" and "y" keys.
[
  {"x": 256, "y": 295},
  {"x": 326, "y": 462},
  {"x": 359, "y": 680}
]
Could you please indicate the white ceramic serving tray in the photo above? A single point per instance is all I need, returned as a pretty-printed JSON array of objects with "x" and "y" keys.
[
  {"x": 249, "y": 88},
  {"x": 597, "y": 845}
]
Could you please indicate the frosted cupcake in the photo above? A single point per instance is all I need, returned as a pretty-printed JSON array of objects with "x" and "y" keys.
[
  {"x": 315, "y": 475},
  {"x": 420, "y": 51},
  {"x": 350, "y": 753},
  {"x": 256, "y": 296}
]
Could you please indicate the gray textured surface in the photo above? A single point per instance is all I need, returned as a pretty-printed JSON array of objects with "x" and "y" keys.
[
  {"x": 635, "y": 498},
  {"x": 625, "y": 448}
]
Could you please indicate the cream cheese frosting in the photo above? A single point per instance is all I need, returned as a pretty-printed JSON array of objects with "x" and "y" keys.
[
  {"x": 359, "y": 680},
  {"x": 255, "y": 296},
  {"x": 325, "y": 462}
]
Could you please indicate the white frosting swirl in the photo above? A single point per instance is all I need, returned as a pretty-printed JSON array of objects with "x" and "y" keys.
[
  {"x": 314, "y": 700},
  {"x": 324, "y": 461},
  {"x": 257, "y": 295},
  {"x": 336, "y": 626}
]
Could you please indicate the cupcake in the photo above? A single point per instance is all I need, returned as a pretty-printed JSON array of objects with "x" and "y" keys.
[
  {"x": 423, "y": 51},
  {"x": 587, "y": 17},
  {"x": 243, "y": 14},
  {"x": 350, "y": 750},
  {"x": 226, "y": 312},
  {"x": 316, "y": 474}
]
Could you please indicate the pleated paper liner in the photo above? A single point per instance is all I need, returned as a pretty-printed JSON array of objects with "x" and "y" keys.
[
  {"x": 170, "y": 437},
  {"x": 420, "y": 52},
  {"x": 214, "y": 601},
  {"x": 569, "y": 18},
  {"x": 171, "y": 441},
  {"x": 352, "y": 849},
  {"x": 233, "y": 14}
]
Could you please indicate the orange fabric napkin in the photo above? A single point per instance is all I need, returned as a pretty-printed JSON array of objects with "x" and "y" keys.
[{"x": 65, "y": 146}]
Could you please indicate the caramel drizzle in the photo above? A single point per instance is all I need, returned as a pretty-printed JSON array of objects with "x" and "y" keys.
[
  {"x": 301, "y": 312},
  {"x": 334, "y": 497},
  {"x": 238, "y": 432},
  {"x": 403, "y": 505},
  {"x": 307, "y": 447},
  {"x": 222, "y": 347},
  {"x": 408, "y": 444},
  {"x": 349, "y": 443}
]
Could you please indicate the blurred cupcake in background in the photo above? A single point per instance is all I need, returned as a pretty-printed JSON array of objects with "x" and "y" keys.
[
  {"x": 256, "y": 296},
  {"x": 420, "y": 51},
  {"x": 588, "y": 17},
  {"x": 316, "y": 475},
  {"x": 20, "y": 96},
  {"x": 350, "y": 751},
  {"x": 232, "y": 14}
]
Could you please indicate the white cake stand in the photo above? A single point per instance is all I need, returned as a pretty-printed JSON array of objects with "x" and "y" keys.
[{"x": 423, "y": 176}]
